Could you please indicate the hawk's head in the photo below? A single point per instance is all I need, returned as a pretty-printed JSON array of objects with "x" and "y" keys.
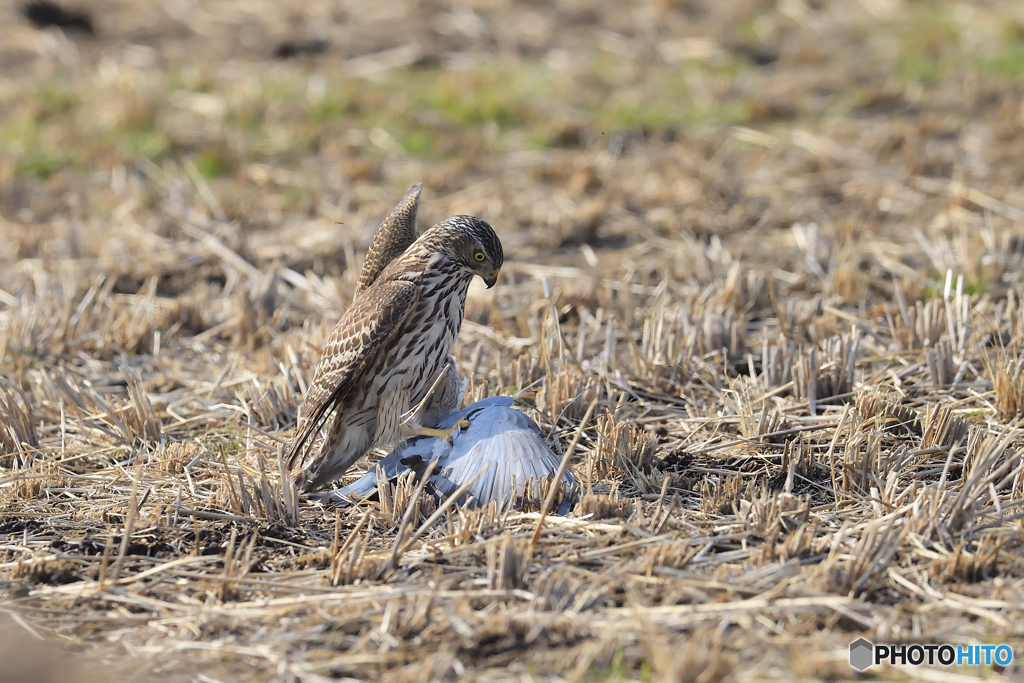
[{"x": 471, "y": 243}]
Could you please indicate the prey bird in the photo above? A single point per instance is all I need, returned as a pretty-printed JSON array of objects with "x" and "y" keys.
[
  {"x": 501, "y": 456},
  {"x": 387, "y": 354}
]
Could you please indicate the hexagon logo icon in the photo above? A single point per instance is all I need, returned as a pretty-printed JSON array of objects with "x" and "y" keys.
[{"x": 862, "y": 654}]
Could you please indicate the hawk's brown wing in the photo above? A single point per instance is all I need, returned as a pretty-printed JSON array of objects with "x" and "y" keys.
[
  {"x": 393, "y": 237},
  {"x": 362, "y": 333}
]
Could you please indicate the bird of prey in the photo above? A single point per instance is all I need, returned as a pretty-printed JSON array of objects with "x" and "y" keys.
[
  {"x": 396, "y": 233},
  {"x": 392, "y": 344},
  {"x": 501, "y": 442}
]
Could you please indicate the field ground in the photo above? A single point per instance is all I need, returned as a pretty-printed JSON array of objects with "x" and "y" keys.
[{"x": 763, "y": 259}]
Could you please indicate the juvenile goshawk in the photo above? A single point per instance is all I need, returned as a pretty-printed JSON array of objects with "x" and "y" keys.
[
  {"x": 396, "y": 233},
  {"x": 390, "y": 347}
]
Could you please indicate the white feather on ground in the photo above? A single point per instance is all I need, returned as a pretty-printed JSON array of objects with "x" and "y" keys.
[{"x": 500, "y": 440}]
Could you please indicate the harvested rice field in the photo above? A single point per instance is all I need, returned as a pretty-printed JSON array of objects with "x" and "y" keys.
[{"x": 762, "y": 287}]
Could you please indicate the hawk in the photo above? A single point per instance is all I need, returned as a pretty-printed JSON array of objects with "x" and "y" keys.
[
  {"x": 396, "y": 233},
  {"x": 390, "y": 347}
]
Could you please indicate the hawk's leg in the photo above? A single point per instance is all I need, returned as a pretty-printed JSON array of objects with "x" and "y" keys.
[{"x": 445, "y": 434}]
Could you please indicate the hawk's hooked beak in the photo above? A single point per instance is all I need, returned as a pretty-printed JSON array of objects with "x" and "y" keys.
[{"x": 490, "y": 279}]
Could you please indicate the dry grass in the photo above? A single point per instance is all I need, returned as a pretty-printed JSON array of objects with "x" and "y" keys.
[{"x": 763, "y": 271}]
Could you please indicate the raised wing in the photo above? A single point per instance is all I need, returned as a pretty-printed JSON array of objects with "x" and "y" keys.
[
  {"x": 362, "y": 332},
  {"x": 393, "y": 237}
]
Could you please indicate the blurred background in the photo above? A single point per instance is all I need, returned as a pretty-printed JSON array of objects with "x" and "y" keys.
[{"x": 564, "y": 123}]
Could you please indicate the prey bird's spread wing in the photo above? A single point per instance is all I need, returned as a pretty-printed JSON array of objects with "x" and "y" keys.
[
  {"x": 503, "y": 445},
  {"x": 362, "y": 333},
  {"x": 395, "y": 234},
  {"x": 508, "y": 446}
]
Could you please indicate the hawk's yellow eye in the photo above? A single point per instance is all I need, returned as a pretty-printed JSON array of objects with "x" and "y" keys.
[{"x": 479, "y": 256}]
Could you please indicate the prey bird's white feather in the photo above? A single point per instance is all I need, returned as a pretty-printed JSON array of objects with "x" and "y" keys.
[{"x": 502, "y": 442}]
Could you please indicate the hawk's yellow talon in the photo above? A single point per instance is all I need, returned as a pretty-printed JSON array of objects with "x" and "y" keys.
[{"x": 445, "y": 434}]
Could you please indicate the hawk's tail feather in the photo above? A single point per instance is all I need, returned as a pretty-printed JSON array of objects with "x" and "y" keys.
[{"x": 305, "y": 432}]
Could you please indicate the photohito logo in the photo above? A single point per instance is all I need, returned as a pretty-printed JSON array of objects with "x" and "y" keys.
[{"x": 864, "y": 653}]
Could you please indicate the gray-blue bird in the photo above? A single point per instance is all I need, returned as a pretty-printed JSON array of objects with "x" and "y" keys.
[{"x": 500, "y": 440}]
